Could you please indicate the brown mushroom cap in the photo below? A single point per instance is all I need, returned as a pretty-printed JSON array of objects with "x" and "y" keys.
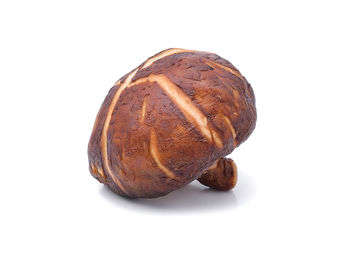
[{"x": 168, "y": 121}]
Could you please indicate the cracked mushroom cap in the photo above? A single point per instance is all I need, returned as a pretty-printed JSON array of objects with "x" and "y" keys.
[{"x": 170, "y": 121}]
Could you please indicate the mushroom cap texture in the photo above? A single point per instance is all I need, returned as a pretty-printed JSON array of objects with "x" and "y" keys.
[{"x": 165, "y": 123}]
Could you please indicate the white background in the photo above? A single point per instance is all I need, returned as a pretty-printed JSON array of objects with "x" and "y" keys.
[{"x": 58, "y": 59}]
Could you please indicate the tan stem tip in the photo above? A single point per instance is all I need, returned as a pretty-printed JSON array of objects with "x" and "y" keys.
[{"x": 222, "y": 175}]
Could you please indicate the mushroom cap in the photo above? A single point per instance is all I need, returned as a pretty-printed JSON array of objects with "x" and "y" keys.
[{"x": 168, "y": 121}]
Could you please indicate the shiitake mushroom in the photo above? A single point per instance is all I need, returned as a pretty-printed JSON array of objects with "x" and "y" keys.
[{"x": 170, "y": 121}]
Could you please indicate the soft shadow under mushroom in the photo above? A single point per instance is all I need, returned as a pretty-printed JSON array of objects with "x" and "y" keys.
[{"x": 192, "y": 198}]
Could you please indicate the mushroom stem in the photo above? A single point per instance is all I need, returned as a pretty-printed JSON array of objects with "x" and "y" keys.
[{"x": 222, "y": 175}]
